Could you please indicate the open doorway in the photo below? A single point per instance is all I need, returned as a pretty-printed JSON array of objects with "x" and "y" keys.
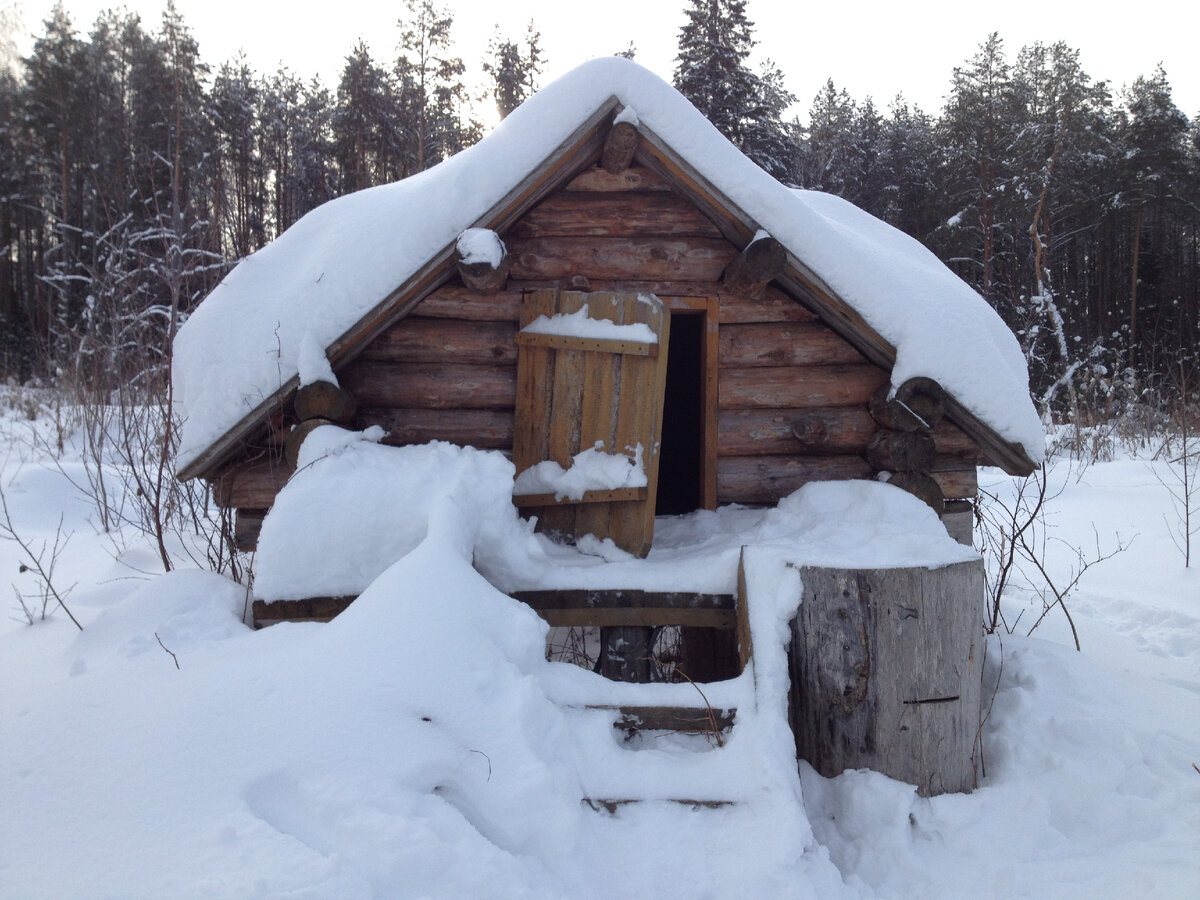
[{"x": 680, "y": 465}]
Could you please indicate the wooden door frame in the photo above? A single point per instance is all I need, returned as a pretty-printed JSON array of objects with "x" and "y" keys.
[{"x": 707, "y": 307}]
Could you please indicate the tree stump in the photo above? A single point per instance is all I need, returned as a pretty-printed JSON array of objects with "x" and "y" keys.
[{"x": 887, "y": 668}]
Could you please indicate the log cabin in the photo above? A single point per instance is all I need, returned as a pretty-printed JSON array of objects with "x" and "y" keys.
[
  {"x": 795, "y": 338},
  {"x": 743, "y": 339}
]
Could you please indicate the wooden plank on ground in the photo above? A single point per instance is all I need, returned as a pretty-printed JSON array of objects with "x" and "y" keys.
[{"x": 689, "y": 719}]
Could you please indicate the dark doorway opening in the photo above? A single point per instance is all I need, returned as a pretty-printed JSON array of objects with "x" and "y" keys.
[{"x": 679, "y": 461}]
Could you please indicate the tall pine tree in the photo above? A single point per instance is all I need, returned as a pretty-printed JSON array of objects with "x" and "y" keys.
[{"x": 712, "y": 71}]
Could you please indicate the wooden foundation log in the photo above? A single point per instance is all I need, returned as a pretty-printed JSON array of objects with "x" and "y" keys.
[
  {"x": 761, "y": 262},
  {"x": 918, "y": 404},
  {"x": 324, "y": 400},
  {"x": 886, "y": 669}
]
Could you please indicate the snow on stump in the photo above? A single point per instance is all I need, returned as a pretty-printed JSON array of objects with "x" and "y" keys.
[{"x": 886, "y": 669}]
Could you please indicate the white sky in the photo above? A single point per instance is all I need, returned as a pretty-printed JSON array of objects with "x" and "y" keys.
[{"x": 867, "y": 47}]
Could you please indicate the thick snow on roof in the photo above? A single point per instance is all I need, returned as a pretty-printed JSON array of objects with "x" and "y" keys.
[{"x": 325, "y": 273}]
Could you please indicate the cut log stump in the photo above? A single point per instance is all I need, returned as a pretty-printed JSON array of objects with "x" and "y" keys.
[{"x": 886, "y": 669}]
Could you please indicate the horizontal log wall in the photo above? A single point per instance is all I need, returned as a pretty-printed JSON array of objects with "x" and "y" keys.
[{"x": 792, "y": 394}]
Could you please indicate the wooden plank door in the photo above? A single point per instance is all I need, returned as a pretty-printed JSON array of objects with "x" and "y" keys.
[{"x": 576, "y": 392}]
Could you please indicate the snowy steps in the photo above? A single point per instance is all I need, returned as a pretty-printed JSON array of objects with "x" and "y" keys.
[
  {"x": 640, "y": 775},
  {"x": 678, "y": 719}
]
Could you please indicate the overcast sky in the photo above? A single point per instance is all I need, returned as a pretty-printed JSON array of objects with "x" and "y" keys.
[{"x": 867, "y": 46}]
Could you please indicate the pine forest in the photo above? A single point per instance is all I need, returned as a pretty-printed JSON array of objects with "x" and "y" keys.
[{"x": 135, "y": 175}]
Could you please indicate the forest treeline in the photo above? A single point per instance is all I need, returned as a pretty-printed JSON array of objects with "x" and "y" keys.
[{"x": 135, "y": 175}]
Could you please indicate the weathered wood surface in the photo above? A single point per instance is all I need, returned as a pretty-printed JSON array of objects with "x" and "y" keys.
[
  {"x": 922, "y": 486},
  {"x": 786, "y": 387},
  {"x": 744, "y": 639},
  {"x": 951, "y": 440},
  {"x": 317, "y": 609},
  {"x": 901, "y": 451},
  {"x": 324, "y": 400},
  {"x": 762, "y": 261},
  {"x": 250, "y": 486},
  {"x": 614, "y": 495},
  {"x": 688, "y": 719},
  {"x": 482, "y": 277},
  {"x": 708, "y": 654},
  {"x": 635, "y": 178},
  {"x": 773, "y": 306},
  {"x": 660, "y": 214},
  {"x": 441, "y": 341},
  {"x": 775, "y": 344},
  {"x": 823, "y": 431},
  {"x": 650, "y": 258},
  {"x": 569, "y": 400},
  {"x": 586, "y": 344},
  {"x": 247, "y": 525},
  {"x": 452, "y": 301},
  {"x": 583, "y": 607},
  {"x": 766, "y": 479},
  {"x": 627, "y": 653},
  {"x": 955, "y": 481},
  {"x": 886, "y": 671},
  {"x": 959, "y": 519},
  {"x": 421, "y": 386},
  {"x": 486, "y": 429},
  {"x": 918, "y": 405},
  {"x": 619, "y": 148}
]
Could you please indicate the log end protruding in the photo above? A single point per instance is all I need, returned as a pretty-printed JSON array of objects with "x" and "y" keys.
[
  {"x": 291, "y": 450},
  {"x": 922, "y": 486},
  {"x": 324, "y": 400},
  {"x": 901, "y": 451},
  {"x": 482, "y": 260},
  {"x": 619, "y": 147},
  {"x": 762, "y": 261},
  {"x": 917, "y": 405}
]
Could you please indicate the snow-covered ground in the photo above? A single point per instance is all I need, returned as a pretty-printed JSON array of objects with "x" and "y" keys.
[{"x": 421, "y": 746}]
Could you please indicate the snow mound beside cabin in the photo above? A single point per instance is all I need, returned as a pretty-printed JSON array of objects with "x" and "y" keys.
[{"x": 334, "y": 266}]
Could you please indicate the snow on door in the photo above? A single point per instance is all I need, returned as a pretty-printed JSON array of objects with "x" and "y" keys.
[{"x": 591, "y": 370}]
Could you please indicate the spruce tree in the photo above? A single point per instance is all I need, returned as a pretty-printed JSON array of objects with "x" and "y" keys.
[{"x": 712, "y": 72}]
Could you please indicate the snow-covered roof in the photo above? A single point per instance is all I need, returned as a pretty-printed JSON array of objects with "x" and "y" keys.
[{"x": 331, "y": 269}]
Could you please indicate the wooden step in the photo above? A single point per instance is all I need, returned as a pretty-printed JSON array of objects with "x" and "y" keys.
[
  {"x": 628, "y": 607},
  {"x": 684, "y": 719},
  {"x": 611, "y": 806}
]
